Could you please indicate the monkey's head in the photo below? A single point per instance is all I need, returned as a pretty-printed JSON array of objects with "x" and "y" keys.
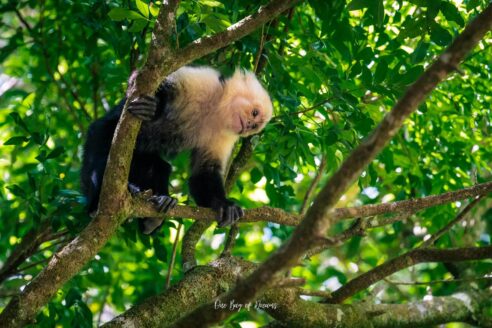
[{"x": 245, "y": 104}]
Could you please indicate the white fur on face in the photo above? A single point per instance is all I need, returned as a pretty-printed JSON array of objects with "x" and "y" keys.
[
  {"x": 211, "y": 113},
  {"x": 244, "y": 94}
]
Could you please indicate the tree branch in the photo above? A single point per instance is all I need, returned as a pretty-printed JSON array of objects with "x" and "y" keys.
[
  {"x": 142, "y": 208},
  {"x": 312, "y": 186},
  {"x": 318, "y": 218},
  {"x": 429, "y": 242},
  {"x": 28, "y": 245},
  {"x": 419, "y": 255},
  {"x": 206, "y": 282},
  {"x": 236, "y": 31}
]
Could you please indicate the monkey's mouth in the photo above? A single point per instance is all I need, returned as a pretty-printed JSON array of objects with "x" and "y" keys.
[{"x": 240, "y": 127}]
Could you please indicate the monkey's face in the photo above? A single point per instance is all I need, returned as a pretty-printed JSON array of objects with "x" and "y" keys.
[{"x": 248, "y": 116}]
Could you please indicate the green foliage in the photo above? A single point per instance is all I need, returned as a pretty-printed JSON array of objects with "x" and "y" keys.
[{"x": 333, "y": 69}]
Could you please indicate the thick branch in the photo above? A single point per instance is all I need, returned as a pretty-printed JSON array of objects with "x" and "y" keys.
[
  {"x": 406, "y": 260},
  {"x": 318, "y": 219},
  {"x": 205, "y": 283}
]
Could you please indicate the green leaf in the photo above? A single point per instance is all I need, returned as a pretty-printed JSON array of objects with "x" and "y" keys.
[
  {"x": 160, "y": 250},
  {"x": 377, "y": 12},
  {"x": 38, "y": 138},
  {"x": 440, "y": 36},
  {"x": 19, "y": 121},
  {"x": 411, "y": 75},
  {"x": 118, "y": 14},
  {"x": 211, "y": 3},
  {"x": 472, "y": 4},
  {"x": 142, "y": 7},
  {"x": 214, "y": 22},
  {"x": 154, "y": 10},
  {"x": 381, "y": 71},
  {"x": 256, "y": 175},
  {"x": 138, "y": 25},
  {"x": 73, "y": 295},
  {"x": 56, "y": 152},
  {"x": 420, "y": 52},
  {"x": 412, "y": 27},
  {"x": 359, "y": 4},
  {"x": 366, "y": 76},
  {"x": 42, "y": 156},
  {"x": 16, "y": 141},
  {"x": 16, "y": 190},
  {"x": 331, "y": 137},
  {"x": 451, "y": 13},
  {"x": 83, "y": 316}
]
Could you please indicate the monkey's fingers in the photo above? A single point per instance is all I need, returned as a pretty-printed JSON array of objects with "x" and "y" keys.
[
  {"x": 163, "y": 203},
  {"x": 143, "y": 107},
  {"x": 218, "y": 215},
  {"x": 133, "y": 189},
  {"x": 228, "y": 215},
  {"x": 239, "y": 213}
]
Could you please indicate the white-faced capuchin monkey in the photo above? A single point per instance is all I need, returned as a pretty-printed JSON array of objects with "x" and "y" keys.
[{"x": 195, "y": 109}]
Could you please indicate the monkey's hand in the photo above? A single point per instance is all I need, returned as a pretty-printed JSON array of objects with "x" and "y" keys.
[
  {"x": 227, "y": 212},
  {"x": 163, "y": 203},
  {"x": 143, "y": 107}
]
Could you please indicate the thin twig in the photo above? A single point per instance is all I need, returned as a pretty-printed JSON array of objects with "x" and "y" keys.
[
  {"x": 30, "y": 266},
  {"x": 260, "y": 49},
  {"x": 173, "y": 256},
  {"x": 313, "y": 185},
  {"x": 462, "y": 215},
  {"x": 103, "y": 304},
  {"x": 410, "y": 258},
  {"x": 230, "y": 241},
  {"x": 442, "y": 281}
]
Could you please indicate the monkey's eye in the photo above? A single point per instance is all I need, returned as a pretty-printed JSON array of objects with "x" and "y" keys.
[
  {"x": 255, "y": 112},
  {"x": 254, "y": 126}
]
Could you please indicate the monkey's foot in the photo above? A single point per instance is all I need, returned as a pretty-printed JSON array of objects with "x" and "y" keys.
[
  {"x": 228, "y": 214},
  {"x": 149, "y": 225},
  {"x": 143, "y": 107},
  {"x": 163, "y": 203}
]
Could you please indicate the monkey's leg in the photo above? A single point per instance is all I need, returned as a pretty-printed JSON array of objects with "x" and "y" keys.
[{"x": 148, "y": 171}]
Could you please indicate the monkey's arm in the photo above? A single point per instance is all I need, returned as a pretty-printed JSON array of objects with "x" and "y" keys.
[{"x": 207, "y": 189}]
